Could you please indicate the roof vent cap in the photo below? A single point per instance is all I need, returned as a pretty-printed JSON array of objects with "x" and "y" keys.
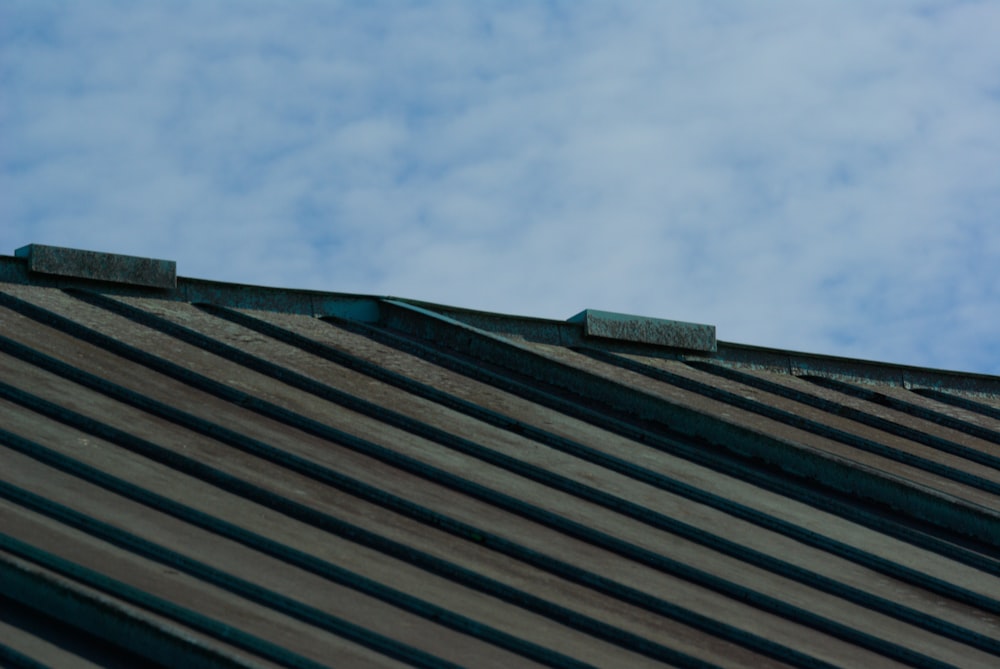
[
  {"x": 658, "y": 331},
  {"x": 96, "y": 266}
]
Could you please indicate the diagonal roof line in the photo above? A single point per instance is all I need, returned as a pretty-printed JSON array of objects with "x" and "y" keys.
[{"x": 882, "y": 487}]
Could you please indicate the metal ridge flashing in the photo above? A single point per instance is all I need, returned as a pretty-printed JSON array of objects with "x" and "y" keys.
[
  {"x": 17, "y": 270},
  {"x": 97, "y": 266},
  {"x": 610, "y": 331},
  {"x": 853, "y": 370},
  {"x": 620, "y": 331},
  {"x": 838, "y": 473},
  {"x": 302, "y": 301}
]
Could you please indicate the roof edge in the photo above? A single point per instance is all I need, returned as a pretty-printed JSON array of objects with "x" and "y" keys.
[
  {"x": 842, "y": 368},
  {"x": 799, "y": 363},
  {"x": 367, "y": 308}
]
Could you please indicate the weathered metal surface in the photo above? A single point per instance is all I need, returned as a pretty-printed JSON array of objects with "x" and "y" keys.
[
  {"x": 530, "y": 405},
  {"x": 473, "y": 489},
  {"x": 867, "y": 425},
  {"x": 365, "y": 308},
  {"x": 111, "y": 267},
  {"x": 633, "y": 399},
  {"x": 66, "y": 615},
  {"x": 635, "y": 491},
  {"x": 656, "y": 331},
  {"x": 307, "y": 302},
  {"x": 853, "y": 370}
]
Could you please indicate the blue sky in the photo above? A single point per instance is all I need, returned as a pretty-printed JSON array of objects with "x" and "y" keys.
[{"x": 814, "y": 175}]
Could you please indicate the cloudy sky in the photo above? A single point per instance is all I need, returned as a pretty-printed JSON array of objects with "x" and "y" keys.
[{"x": 814, "y": 175}]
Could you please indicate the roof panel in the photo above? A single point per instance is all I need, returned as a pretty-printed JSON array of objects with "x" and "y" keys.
[{"x": 434, "y": 487}]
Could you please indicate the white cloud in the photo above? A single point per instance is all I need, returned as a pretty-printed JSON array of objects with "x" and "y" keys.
[{"x": 820, "y": 175}]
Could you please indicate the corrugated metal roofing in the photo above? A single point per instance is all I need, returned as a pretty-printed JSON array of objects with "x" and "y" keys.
[{"x": 217, "y": 475}]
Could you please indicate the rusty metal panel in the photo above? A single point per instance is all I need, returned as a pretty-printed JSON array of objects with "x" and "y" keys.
[
  {"x": 111, "y": 267},
  {"x": 656, "y": 331}
]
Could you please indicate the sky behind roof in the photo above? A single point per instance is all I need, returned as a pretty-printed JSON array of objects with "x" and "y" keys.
[{"x": 813, "y": 175}]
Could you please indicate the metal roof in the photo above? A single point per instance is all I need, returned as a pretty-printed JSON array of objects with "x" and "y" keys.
[{"x": 206, "y": 474}]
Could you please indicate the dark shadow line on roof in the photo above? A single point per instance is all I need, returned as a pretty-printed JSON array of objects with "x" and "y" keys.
[
  {"x": 518, "y": 507},
  {"x": 241, "y": 587},
  {"x": 137, "y": 597},
  {"x": 272, "y": 599},
  {"x": 705, "y": 454},
  {"x": 17, "y": 660},
  {"x": 482, "y": 493},
  {"x": 961, "y": 402},
  {"x": 253, "y": 493},
  {"x": 386, "y": 500},
  {"x": 34, "y": 617},
  {"x": 864, "y": 417},
  {"x": 638, "y": 473},
  {"x": 914, "y": 410},
  {"x": 809, "y": 425},
  {"x": 542, "y": 476},
  {"x": 722, "y": 446},
  {"x": 186, "y": 465}
]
